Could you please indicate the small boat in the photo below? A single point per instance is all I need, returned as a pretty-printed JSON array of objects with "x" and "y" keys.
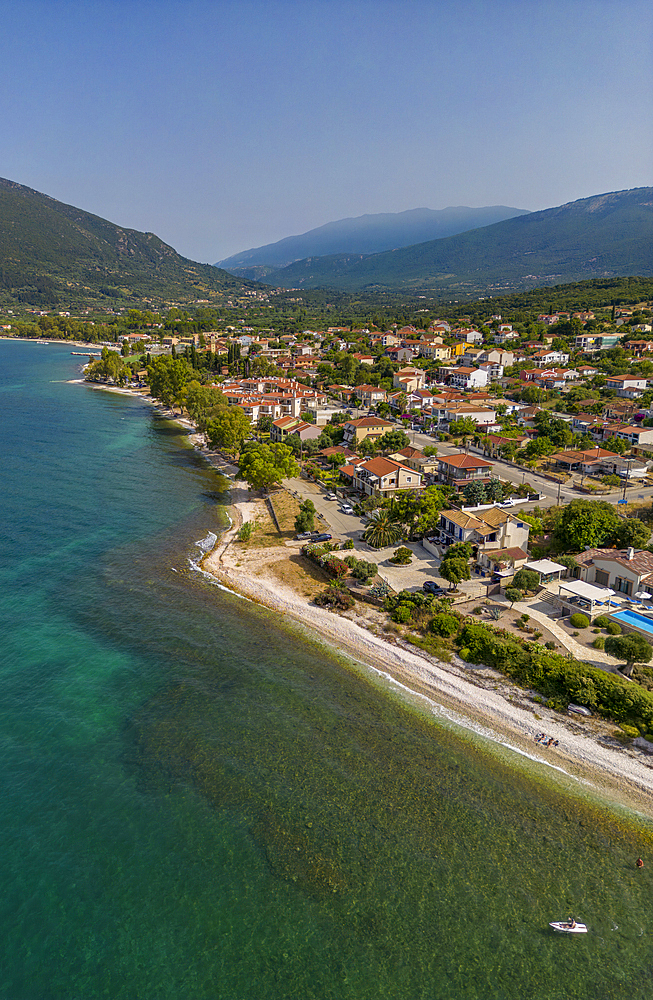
[{"x": 565, "y": 927}]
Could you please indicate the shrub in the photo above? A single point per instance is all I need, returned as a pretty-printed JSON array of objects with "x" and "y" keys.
[
  {"x": 349, "y": 544},
  {"x": 526, "y": 579},
  {"x": 613, "y": 628},
  {"x": 334, "y": 597},
  {"x": 630, "y": 731},
  {"x": 561, "y": 679},
  {"x": 402, "y": 556},
  {"x": 602, "y": 621},
  {"x": 579, "y": 621},
  {"x": 305, "y": 520},
  {"x": 538, "y": 635},
  {"x": 402, "y": 614},
  {"x": 364, "y": 570},
  {"x": 599, "y": 642},
  {"x": 444, "y": 624},
  {"x": 335, "y": 567},
  {"x": 380, "y": 590},
  {"x": 477, "y": 611},
  {"x": 524, "y": 618},
  {"x": 513, "y": 594},
  {"x": 549, "y": 645},
  {"x": 245, "y": 531}
]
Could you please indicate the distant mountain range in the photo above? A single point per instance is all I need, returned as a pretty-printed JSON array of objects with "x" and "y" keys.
[
  {"x": 366, "y": 234},
  {"x": 603, "y": 236},
  {"x": 51, "y": 252}
]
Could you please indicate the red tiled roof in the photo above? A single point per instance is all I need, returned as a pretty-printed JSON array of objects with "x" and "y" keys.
[{"x": 464, "y": 462}]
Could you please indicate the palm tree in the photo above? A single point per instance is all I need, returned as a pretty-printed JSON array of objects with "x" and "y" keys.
[{"x": 383, "y": 529}]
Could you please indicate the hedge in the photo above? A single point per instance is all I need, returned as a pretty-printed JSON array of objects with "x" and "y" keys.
[
  {"x": 579, "y": 621},
  {"x": 444, "y": 624},
  {"x": 558, "y": 677}
]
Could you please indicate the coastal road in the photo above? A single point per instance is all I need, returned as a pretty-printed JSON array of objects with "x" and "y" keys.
[{"x": 542, "y": 485}]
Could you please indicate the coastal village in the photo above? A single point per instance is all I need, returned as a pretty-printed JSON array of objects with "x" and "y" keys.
[
  {"x": 433, "y": 479},
  {"x": 437, "y": 477}
]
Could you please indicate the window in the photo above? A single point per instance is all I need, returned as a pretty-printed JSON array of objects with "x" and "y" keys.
[
  {"x": 623, "y": 586},
  {"x": 602, "y": 578}
]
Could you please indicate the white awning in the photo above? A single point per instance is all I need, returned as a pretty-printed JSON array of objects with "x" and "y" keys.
[
  {"x": 587, "y": 590},
  {"x": 545, "y": 566}
]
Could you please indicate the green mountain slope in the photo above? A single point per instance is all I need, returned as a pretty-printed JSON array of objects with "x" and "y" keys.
[
  {"x": 51, "y": 252},
  {"x": 365, "y": 235},
  {"x": 599, "y": 237}
]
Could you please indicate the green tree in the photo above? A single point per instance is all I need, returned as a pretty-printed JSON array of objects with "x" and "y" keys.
[
  {"x": 367, "y": 447},
  {"x": 229, "y": 429},
  {"x": 168, "y": 378},
  {"x": 203, "y": 402},
  {"x": 459, "y": 550},
  {"x": 110, "y": 366},
  {"x": 632, "y": 649},
  {"x": 585, "y": 523},
  {"x": 382, "y": 529},
  {"x": 455, "y": 570},
  {"x": 462, "y": 426},
  {"x": 474, "y": 493},
  {"x": 494, "y": 490},
  {"x": 513, "y": 595},
  {"x": 632, "y": 532},
  {"x": 264, "y": 424},
  {"x": 393, "y": 441},
  {"x": 305, "y": 520},
  {"x": 262, "y": 465},
  {"x": 526, "y": 579}
]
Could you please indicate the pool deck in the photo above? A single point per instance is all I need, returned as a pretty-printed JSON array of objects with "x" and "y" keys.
[{"x": 595, "y": 657}]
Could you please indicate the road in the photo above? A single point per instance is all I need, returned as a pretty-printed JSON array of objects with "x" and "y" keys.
[{"x": 504, "y": 470}]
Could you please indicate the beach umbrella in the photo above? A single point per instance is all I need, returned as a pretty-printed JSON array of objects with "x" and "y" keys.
[{"x": 643, "y": 596}]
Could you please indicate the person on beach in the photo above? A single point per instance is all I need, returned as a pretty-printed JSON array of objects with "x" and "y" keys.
[{"x": 640, "y": 863}]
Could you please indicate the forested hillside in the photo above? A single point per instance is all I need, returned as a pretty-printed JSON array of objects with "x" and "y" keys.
[
  {"x": 51, "y": 253},
  {"x": 599, "y": 237}
]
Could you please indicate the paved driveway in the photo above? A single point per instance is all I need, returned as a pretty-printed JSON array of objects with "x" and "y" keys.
[{"x": 423, "y": 567}]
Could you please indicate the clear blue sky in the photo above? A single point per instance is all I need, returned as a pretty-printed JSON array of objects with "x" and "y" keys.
[{"x": 229, "y": 124}]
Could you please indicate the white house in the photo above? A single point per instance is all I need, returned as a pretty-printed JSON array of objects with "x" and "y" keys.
[{"x": 468, "y": 378}]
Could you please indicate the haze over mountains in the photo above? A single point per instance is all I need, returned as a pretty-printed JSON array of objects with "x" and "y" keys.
[
  {"x": 603, "y": 236},
  {"x": 366, "y": 234},
  {"x": 50, "y": 251}
]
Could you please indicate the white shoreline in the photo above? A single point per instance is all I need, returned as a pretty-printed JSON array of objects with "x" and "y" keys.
[{"x": 621, "y": 776}]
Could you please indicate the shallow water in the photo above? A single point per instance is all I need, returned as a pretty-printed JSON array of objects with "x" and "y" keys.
[{"x": 199, "y": 802}]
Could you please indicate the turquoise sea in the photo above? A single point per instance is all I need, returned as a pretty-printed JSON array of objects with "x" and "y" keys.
[{"x": 200, "y": 803}]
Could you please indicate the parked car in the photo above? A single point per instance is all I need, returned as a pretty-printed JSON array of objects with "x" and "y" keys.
[
  {"x": 303, "y": 535},
  {"x": 321, "y": 538},
  {"x": 431, "y": 587},
  {"x": 510, "y": 502},
  {"x": 330, "y": 496},
  {"x": 347, "y": 509}
]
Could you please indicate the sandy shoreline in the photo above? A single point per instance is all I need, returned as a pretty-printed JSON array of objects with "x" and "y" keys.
[
  {"x": 461, "y": 693},
  {"x": 453, "y": 690}
]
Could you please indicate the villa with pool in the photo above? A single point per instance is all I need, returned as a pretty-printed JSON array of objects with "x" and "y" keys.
[{"x": 615, "y": 582}]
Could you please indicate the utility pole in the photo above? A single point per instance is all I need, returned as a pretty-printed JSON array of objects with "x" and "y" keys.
[
  {"x": 558, "y": 500},
  {"x": 629, "y": 460}
]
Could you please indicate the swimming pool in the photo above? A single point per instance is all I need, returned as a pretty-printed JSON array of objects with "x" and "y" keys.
[{"x": 634, "y": 619}]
